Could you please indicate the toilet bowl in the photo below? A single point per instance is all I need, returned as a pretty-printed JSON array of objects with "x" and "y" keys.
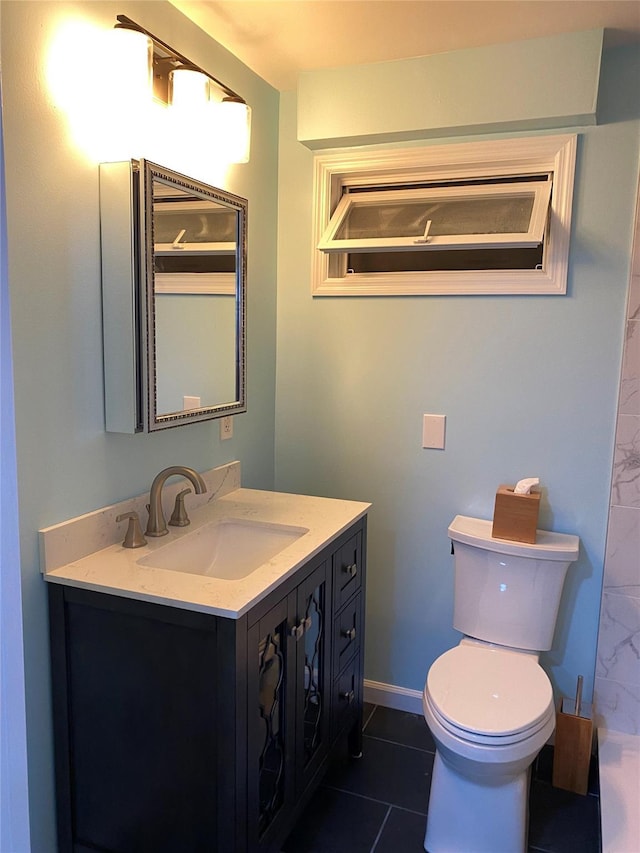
[
  {"x": 488, "y": 702},
  {"x": 490, "y": 711}
]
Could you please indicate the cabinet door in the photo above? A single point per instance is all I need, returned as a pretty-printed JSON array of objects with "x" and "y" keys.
[
  {"x": 313, "y": 672},
  {"x": 271, "y": 722},
  {"x": 137, "y": 697}
]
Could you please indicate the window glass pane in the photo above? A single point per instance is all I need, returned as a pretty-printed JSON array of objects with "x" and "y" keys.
[
  {"x": 469, "y": 259},
  {"x": 497, "y": 215},
  {"x": 200, "y": 263},
  {"x": 195, "y": 226},
  {"x": 368, "y": 221}
]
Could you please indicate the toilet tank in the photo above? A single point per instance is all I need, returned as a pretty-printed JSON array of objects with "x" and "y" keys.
[{"x": 508, "y": 592}]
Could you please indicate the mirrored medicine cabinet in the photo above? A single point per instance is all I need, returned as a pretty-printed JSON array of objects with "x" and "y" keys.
[{"x": 174, "y": 298}]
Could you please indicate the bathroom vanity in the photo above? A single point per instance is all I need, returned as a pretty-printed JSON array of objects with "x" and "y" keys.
[{"x": 196, "y": 713}]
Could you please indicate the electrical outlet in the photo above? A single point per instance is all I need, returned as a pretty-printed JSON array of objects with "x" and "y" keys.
[{"x": 226, "y": 427}]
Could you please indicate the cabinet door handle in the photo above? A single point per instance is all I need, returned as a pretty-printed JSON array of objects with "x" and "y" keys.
[
  {"x": 351, "y": 570},
  {"x": 298, "y": 630},
  {"x": 348, "y": 695},
  {"x": 349, "y": 633}
]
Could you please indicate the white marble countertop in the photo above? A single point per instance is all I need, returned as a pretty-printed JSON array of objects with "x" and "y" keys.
[{"x": 116, "y": 570}]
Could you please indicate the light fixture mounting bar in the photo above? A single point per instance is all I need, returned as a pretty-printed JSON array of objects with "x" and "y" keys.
[{"x": 166, "y": 58}]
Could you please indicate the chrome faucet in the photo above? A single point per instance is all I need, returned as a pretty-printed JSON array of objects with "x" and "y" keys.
[{"x": 157, "y": 526}]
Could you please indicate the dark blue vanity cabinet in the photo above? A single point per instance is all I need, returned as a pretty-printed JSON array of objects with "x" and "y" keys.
[{"x": 182, "y": 731}]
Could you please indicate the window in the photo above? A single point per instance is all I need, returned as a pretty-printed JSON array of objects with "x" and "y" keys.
[
  {"x": 478, "y": 218},
  {"x": 449, "y": 217},
  {"x": 194, "y": 244}
]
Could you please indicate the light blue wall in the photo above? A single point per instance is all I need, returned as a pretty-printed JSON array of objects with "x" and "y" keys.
[
  {"x": 67, "y": 464},
  {"x": 198, "y": 353},
  {"x": 528, "y": 385},
  {"x": 14, "y": 799},
  {"x": 478, "y": 90}
]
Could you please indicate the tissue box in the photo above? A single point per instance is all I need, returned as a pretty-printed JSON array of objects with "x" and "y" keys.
[{"x": 515, "y": 517}]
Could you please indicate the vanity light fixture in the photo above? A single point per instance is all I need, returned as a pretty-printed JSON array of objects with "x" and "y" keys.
[
  {"x": 132, "y": 75},
  {"x": 180, "y": 83},
  {"x": 235, "y": 117},
  {"x": 188, "y": 88}
]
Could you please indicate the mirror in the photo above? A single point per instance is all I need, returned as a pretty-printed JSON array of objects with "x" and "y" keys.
[
  {"x": 187, "y": 265},
  {"x": 195, "y": 238}
]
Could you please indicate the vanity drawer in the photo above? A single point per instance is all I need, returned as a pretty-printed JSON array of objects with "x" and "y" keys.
[
  {"x": 347, "y": 570},
  {"x": 346, "y": 633},
  {"x": 346, "y": 696}
]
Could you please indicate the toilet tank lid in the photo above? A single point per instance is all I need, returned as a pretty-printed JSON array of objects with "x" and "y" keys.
[{"x": 548, "y": 546}]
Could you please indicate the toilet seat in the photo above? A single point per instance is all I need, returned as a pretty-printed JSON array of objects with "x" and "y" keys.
[
  {"x": 489, "y": 695},
  {"x": 495, "y": 741}
]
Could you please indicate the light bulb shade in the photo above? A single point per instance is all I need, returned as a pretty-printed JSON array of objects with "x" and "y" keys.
[
  {"x": 188, "y": 88},
  {"x": 235, "y": 126},
  {"x": 131, "y": 77}
]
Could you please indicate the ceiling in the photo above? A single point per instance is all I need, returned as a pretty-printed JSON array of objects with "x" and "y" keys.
[{"x": 279, "y": 38}]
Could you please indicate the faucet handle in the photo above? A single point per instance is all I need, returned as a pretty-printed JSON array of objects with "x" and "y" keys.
[
  {"x": 179, "y": 517},
  {"x": 134, "y": 537}
]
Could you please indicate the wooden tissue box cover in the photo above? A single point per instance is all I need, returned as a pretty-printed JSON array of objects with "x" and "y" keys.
[{"x": 515, "y": 517}]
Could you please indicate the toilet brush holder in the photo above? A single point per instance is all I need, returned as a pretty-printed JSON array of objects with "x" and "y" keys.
[{"x": 573, "y": 743}]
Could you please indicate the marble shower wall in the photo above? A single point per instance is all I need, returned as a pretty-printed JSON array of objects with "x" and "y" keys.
[{"x": 617, "y": 683}]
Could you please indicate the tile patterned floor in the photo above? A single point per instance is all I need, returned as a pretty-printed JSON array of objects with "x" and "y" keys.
[{"x": 378, "y": 804}]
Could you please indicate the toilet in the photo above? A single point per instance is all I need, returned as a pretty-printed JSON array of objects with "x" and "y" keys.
[{"x": 488, "y": 702}]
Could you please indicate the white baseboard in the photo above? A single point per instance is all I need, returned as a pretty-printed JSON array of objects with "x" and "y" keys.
[{"x": 390, "y": 696}]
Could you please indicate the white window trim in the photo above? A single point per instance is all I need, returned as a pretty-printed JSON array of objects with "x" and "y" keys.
[
  {"x": 552, "y": 155},
  {"x": 171, "y": 249},
  {"x": 215, "y": 283}
]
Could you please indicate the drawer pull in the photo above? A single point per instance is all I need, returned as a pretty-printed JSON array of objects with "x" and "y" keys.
[
  {"x": 350, "y": 633},
  {"x": 351, "y": 570},
  {"x": 348, "y": 695}
]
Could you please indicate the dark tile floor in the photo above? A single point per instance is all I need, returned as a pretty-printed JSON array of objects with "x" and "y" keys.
[{"x": 379, "y": 802}]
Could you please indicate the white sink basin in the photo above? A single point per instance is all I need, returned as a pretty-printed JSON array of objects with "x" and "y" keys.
[{"x": 229, "y": 549}]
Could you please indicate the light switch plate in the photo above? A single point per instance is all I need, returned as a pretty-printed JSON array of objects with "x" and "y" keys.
[{"x": 433, "y": 429}]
